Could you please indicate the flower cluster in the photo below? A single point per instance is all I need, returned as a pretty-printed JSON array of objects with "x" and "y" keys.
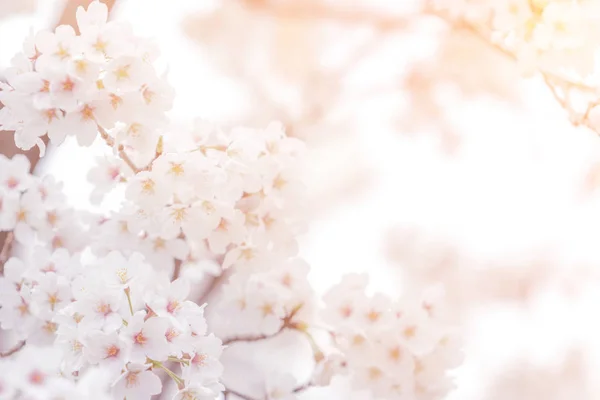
[
  {"x": 551, "y": 35},
  {"x": 262, "y": 302},
  {"x": 108, "y": 301},
  {"x": 232, "y": 196},
  {"x": 411, "y": 344},
  {"x": 34, "y": 373},
  {"x": 114, "y": 313},
  {"x": 35, "y": 208},
  {"x": 64, "y": 84}
]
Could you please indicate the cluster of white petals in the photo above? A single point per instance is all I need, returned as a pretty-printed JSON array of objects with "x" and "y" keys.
[
  {"x": 65, "y": 84},
  {"x": 107, "y": 306},
  {"x": 35, "y": 373},
  {"x": 228, "y": 197},
  {"x": 35, "y": 209},
  {"x": 113, "y": 313},
  {"x": 261, "y": 302},
  {"x": 553, "y": 35},
  {"x": 410, "y": 344}
]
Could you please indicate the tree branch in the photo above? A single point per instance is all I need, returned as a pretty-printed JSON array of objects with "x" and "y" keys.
[
  {"x": 13, "y": 350},
  {"x": 286, "y": 323},
  {"x": 229, "y": 391}
]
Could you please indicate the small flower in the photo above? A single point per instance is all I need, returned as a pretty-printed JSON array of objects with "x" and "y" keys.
[
  {"x": 147, "y": 338},
  {"x": 137, "y": 383},
  {"x": 106, "y": 350}
]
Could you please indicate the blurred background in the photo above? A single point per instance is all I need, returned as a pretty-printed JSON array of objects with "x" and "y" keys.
[{"x": 431, "y": 160}]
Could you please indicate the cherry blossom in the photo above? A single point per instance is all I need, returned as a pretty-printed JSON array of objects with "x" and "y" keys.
[{"x": 199, "y": 255}]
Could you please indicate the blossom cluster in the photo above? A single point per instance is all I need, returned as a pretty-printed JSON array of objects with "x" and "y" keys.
[
  {"x": 411, "y": 345},
  {"x": 65, "y": 84},
  {"x": 227, "y": 196},
  {"x": 257, "y": 301},
  {"x": 556, "y": 36},
  {"x": 114, "y": 313},
  {"x": 113, "y": 296},
  {"x": 34, "y": 373},
  {"x": 34, "y": 208}
]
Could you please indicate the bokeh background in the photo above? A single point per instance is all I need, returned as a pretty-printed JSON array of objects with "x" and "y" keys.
[{"x": 432, "y": 160}]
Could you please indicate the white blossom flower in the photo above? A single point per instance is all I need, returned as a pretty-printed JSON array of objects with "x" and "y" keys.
[
  {"x": 146, "y": 338},
  {"x": 204, "y": 362},
  {"x": 14, "y": 173},
  {"x": 108, "y": 350},
  {"x": 137, "y": 383}
]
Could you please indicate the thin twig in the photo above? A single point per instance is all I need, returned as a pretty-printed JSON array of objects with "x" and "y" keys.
[
  {"x": 120, "y": 149},
  {"x": 6, "y": 248},
  {"x": 551, "y": 80},
  {"x": 229, "y": 391},
  {"x": 253, "y": 338},
  {"x": 213, "y": 285},
  {"x": 13, "y": 350},
  {"x": 286, "y": 323},
  {"x": 176, "y": 270}
]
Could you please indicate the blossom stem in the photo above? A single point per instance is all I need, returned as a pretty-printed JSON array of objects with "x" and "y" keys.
[
  {"x": 127, "y": 293},
  {"x": 178, "y": 380},
  {"x": 120, "y": 149},
  {"x": 318, "y": 354},
  {"x": 179, "y": 360}
]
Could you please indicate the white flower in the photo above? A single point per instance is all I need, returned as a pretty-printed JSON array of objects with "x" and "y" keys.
[
  {"x": 120, "y": 271},
  {"x": 147, "y": 190},
  {"x": 137, "y": 383},
  {"x": 71, "y": 339},
  {"x": 28, "y": 217},
  {"x": 56, "y": 48},
  {"x": 35, "y": 371},
  {"x": 334, "y": 364},
  {"x": 147, "y": 338},
  {"x": 14, "y": 173},
  {"x": 196, "y": 391},
  {"x": 50, "y": 191},
  {"x": 171, "y": 300},
  {"x": 98, "y": 305},
  {"x": 231, "y": 230},
  {"x": 126, "y": 73},
  {"x": 105, "y": 175},
  {"x": 50, "y": 295},
  {"x": 108, "y": 350},
  {"x": 9, "y": 206},
  {"x": 58, "y": 262},
  {"x": 204, "y": 363},
  {"x": 92, "y": 18},
  {"x": 162, "y": 253}
]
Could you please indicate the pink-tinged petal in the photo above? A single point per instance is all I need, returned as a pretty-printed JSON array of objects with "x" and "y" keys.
[
  {"x": 45, "y": 41},
  {"x": 87, "y": 133},
  {"x": 150, "y": 382}
]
